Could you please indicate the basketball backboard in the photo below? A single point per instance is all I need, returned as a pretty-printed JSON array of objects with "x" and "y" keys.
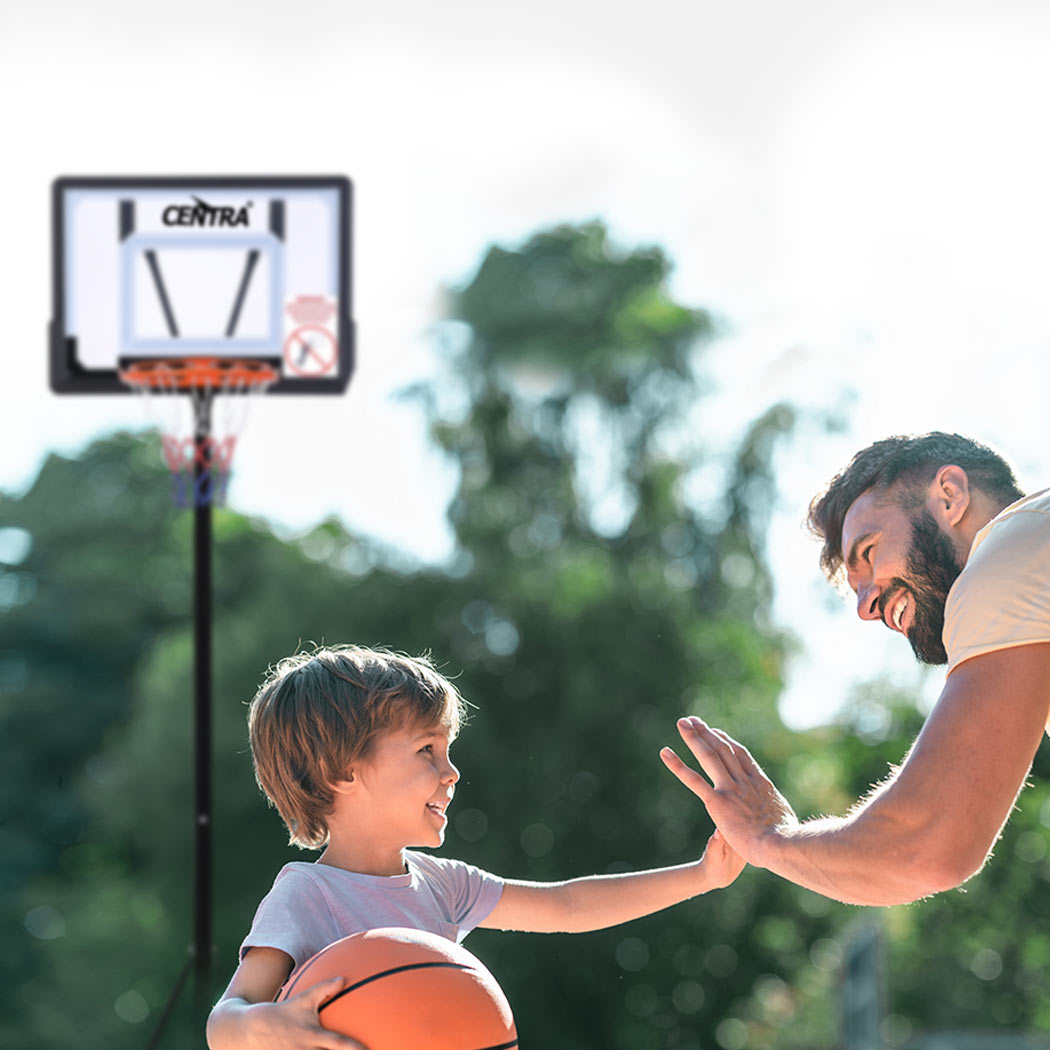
[{"x": 253, "y": 267}]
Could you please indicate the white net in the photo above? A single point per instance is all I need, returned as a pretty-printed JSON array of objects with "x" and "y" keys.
[{"x": 200, "y": 408}]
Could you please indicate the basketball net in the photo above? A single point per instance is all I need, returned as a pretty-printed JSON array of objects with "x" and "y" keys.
[{"x": 198, "y": 444}]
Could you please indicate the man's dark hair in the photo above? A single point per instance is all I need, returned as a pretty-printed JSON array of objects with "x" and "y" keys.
[{"x": 912, "y": 461}]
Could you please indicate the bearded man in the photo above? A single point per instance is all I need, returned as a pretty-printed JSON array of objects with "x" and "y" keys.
[{"x": 937, "y": 541}]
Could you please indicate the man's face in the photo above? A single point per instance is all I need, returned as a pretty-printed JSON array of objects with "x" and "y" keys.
[{"x": 901, "y": 567}]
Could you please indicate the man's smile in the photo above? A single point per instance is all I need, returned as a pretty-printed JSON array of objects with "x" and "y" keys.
[{"x": 893, "y": 611}]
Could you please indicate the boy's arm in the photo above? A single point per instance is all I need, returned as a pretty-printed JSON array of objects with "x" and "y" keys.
[
  {"x": 247, "y": 1018},
  {"x": 597, "y": 901}
]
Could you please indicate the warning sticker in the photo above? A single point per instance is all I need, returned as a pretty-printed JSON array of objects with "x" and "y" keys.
[
  {"x": 311, "y": 309},
  {"x": 311, "y": 351}
]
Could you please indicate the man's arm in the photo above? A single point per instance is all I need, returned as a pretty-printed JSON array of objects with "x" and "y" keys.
[
  {"x": 929, "y": 827},
  {"x": 597, "y": 901}
]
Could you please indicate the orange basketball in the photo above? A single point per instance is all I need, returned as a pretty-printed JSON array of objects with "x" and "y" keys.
[{"x": 409, "y": 989}]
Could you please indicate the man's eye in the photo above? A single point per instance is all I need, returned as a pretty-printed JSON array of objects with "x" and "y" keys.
[
  {"x": 867, "y": 551},
  {"x": 429, "y": 747}
]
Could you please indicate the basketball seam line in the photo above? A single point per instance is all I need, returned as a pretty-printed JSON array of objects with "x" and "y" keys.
[
  {"x": 412, "y": 966},
  {"x": 387, "y": 973}
]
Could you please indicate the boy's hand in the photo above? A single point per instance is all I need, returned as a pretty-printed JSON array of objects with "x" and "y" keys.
[
  {"x": 294, "y": 1024},
  {"x": 720, "y": 863}
]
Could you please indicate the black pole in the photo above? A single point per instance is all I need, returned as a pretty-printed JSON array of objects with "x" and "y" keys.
[{"x": 202, "y": 637}]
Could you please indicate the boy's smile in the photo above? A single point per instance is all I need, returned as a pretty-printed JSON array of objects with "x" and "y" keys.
[{"x": 439, "y": 808}]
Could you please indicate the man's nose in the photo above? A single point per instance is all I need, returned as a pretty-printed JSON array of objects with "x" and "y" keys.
[
  {"x": 868, "y": 602},
  {"x": 451, "y": 774}
]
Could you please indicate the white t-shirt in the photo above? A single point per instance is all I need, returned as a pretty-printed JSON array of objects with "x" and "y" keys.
[
  {"x": 313, "y": 905},
  {"x": 1002, "y": 597}
]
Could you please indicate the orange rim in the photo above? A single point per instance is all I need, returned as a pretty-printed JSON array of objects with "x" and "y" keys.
[{"x": 198, "y": 373}]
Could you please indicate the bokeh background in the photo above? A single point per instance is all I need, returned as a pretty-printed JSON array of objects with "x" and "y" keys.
[{"x": 630, "y": 287}]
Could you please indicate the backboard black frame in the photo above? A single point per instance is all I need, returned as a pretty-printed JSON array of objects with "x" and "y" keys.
[{"x": 68, "y": 375}]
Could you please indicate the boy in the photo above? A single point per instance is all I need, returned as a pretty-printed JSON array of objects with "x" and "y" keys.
[{"x": 351, "y": 745}]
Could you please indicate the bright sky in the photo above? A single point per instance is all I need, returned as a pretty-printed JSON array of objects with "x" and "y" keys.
[{"x": 859, "y": 191}]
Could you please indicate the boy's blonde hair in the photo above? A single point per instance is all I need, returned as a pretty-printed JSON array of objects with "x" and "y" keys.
[{"x": 318, "y": 713}]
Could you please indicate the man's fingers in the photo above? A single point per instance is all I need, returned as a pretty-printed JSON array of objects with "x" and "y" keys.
[
  {"x": 686, "y": 774},
  {"x": 739, "y": 758},
  {"x": 735, "y": 745},
  {"x": 734, "y": 756},
  {"x": 710, "y": 750},
  {"x": 744, "y": 761}
]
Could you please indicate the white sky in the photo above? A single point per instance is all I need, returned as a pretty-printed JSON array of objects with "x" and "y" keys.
[{"x": 859, "y": 190}]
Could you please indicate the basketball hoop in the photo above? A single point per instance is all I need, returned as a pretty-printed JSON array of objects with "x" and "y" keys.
[
  {"x": 198, "y": 293},
  {"x": 179, "y": 393}
]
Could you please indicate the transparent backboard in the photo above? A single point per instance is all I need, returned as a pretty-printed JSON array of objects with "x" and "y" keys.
[{"x": 226, "y": 267}]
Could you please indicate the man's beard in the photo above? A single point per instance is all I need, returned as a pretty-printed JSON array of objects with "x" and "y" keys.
[{"x": 932, "y": 569}]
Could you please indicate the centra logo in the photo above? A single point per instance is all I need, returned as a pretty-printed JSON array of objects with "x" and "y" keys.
[{"x": 201, "y": 213}]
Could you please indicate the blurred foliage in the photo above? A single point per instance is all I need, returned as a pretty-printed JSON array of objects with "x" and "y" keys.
[{"x": 592, "y": 601}]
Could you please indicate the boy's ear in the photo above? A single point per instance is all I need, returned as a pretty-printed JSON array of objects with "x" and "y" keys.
[{"x": 346, "y": 785}]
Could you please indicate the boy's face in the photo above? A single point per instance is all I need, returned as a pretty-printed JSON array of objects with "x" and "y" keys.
[{"x": 408, "y": 782}]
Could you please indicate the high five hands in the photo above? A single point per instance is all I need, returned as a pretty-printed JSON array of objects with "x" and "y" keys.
[{"x": 742, "y": 801}]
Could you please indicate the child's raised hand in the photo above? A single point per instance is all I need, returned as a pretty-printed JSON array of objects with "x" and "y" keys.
[
  {"x": 294, "y": 1023},
  {"x": 720, "y": 863}
]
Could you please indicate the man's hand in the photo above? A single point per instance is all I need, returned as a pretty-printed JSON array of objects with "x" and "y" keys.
[{"x": 742, "y": 801}]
